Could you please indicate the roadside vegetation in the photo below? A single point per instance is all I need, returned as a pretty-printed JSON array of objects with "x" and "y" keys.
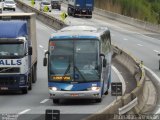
[{"x": 146, "y": 10}]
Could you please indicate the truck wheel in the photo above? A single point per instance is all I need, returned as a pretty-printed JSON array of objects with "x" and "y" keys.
[
  {"x": 159, "y": 64},
  {"x": 89, "y": 17},
  {"x": 30, "y": 82},
  {"x": 56, "y": 101},
  {"x": 25, "y": 90},
  {"x": 34, "y": 74}
]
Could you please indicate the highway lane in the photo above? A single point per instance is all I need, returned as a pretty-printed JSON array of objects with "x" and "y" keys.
[
  {"x": 36, "y": 101},
  {"x": 142, "y": 44}
]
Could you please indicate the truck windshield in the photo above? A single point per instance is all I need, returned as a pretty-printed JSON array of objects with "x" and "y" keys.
[
  {"x": 11, "y": 50},
  {"x": 74, "y": 60}
]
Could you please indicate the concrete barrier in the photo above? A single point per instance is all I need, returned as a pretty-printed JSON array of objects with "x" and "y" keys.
[
  {"x": 45, "y": 18},
  {"x": 135, "y": 67},
  {"x": 128, "y": 20}
]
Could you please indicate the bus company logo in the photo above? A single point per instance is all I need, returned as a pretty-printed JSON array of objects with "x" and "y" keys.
[{"x": 10, "y": 62}]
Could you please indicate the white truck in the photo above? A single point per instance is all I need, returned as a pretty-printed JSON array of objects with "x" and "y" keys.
[{"x": 18, "y": 52}]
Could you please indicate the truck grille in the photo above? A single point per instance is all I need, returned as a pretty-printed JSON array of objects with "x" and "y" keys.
[
  {"x": 9, "y": 70},
  {"x": 7, "y": 81}
]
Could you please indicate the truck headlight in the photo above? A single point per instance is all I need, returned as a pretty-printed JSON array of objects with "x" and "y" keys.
[
  {"x": 95, "y": 88},
  {"x": 22, "y": 80},
  {"x": 53, "y": 88}
]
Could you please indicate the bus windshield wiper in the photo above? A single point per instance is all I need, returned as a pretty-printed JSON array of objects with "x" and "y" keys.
[
  {"x": 67, "y": 70},
  {"x": 80, "y": 73}
]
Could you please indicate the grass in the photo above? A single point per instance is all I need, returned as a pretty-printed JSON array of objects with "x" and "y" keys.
[{"x": 146, "y": 10}]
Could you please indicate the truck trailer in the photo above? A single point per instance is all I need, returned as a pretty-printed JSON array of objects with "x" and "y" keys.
[
  {"x": 18, "y": 52},
  {"x": 80, "y": 8}
]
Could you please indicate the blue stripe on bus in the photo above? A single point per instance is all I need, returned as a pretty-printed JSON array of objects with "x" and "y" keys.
[
  {"x": 71, "y": 37},
  {"x": 73, "y": 87}
]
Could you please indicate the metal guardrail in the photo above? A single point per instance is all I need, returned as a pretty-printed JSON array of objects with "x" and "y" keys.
[
  {"x": 124, "y": 58},
  {"x": 128, "y": 107}
]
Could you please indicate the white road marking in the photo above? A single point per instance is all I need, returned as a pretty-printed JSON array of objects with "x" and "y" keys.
[
  {"x": 24, "y": 111},
  {"x": 120, "y": 78},
  {"x": 139, "y": 45},
  {"x": 45, "y": 100},
  {"x": 156, "y": 51},
  {"x": 41, "y": 46},
  {"x": 125, "y": 39}
]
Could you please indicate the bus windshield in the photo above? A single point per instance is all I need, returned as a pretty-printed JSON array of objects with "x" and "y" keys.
[{"x": 74, "y": 60}]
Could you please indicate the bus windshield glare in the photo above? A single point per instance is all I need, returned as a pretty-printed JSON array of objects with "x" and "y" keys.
[{"x": 74, "y": 60}]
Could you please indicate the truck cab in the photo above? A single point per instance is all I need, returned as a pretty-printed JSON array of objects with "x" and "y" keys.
[{"x": 17, "y": 51}]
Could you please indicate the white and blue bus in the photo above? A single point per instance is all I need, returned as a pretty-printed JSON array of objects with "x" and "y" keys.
[{"x": 79, "y": 63}]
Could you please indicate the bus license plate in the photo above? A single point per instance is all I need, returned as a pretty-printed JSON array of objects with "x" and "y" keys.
[
  {"x": 4, "y": 88},
  {"x": 74, "y": 94}
]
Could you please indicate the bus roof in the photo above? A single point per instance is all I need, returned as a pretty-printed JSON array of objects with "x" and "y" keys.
[{"x": 79, "y": 32}]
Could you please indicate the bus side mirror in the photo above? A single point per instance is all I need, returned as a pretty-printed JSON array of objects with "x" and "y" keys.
[
  {"x": 45, "y": 61},
  {"x": 104, "y": 62},
  {"x": 30, "y": 50}
]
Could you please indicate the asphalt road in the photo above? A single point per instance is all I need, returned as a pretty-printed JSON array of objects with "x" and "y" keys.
[
  {"x": 142, "y": 44},
  {"x": 32, "y": 106}
]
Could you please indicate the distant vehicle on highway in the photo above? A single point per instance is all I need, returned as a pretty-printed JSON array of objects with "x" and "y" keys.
[
  {"x": 79, "y": 63},
  {"x": 9, "y": 4},
  {"x": 45, "y": 6},
  {"x": 56, "y": 4},
  {"x": 80, "y": 8}
]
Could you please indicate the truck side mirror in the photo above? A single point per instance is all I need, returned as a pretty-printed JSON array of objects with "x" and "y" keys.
[
  {"x": 45, "y": 61},
  {"x": 30, "y": 50}
]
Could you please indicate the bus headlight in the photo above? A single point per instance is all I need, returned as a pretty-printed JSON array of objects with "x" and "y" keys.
[
  {"x": 95, "y": 88},
  {"x": 53, "y": 88}
]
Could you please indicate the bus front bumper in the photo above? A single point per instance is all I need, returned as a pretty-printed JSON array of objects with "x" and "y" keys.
[{"x": 75, "y": 94}]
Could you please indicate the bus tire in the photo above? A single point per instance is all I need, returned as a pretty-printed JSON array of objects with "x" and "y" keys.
[
  {"x": 99, "y": 100},
  {"x": 55, "y": 101},
  {"x": 106, "y": 93},
  {"x": 159, "y": 64}
]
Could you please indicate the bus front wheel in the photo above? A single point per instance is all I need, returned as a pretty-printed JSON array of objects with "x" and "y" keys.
[
  {"x": 56, "y": 101},
  {"x": 99, "y": 100}
]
